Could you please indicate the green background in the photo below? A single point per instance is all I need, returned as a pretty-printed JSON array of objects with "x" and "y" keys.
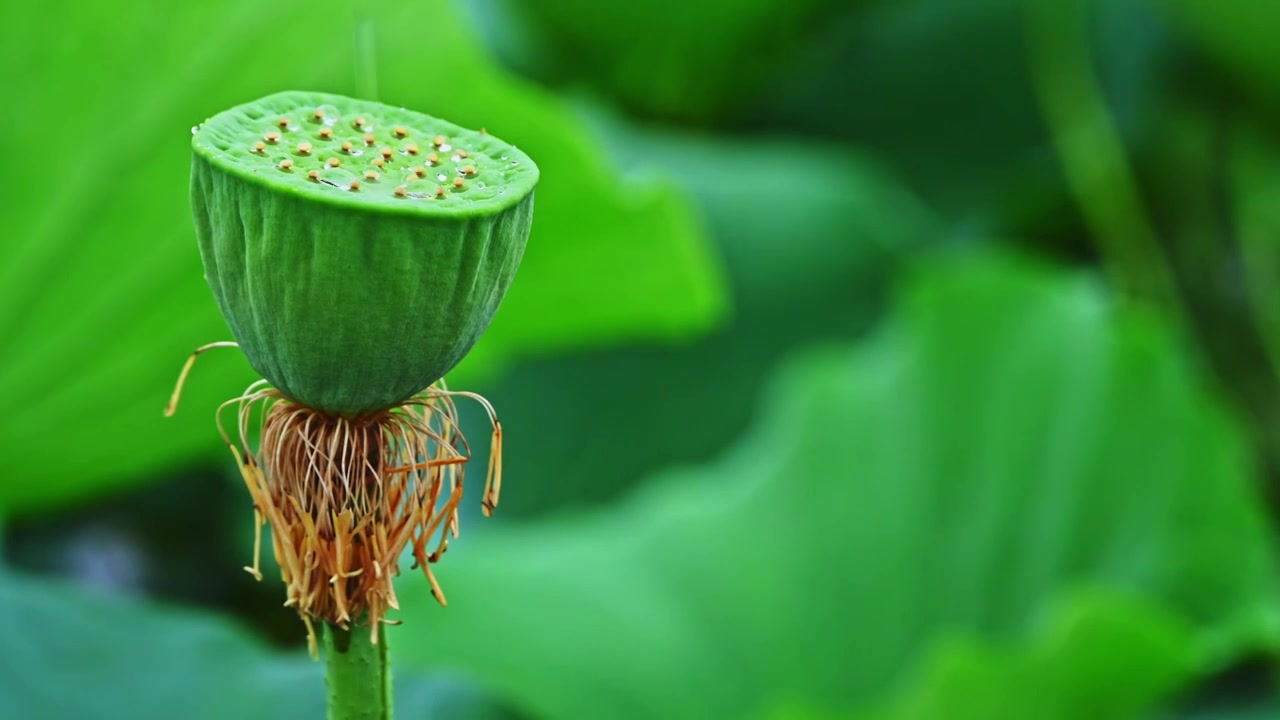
[{"x": 870, "y": 360}]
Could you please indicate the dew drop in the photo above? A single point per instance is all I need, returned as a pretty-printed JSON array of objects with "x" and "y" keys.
[
  {"x": 416, "y": 187},
  {"x": 337, "y": 177},
  {"x": 326, "y": 114}
]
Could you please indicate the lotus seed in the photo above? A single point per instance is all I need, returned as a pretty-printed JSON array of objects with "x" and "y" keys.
[
  {"x": 469, "y": 170},
  {"x": 439, "y": 140},
  {"x": 283, "y": 123},
  {"x": 433, "y": 159},
  {"x": 369, "y": 139},
  {"x": 286, "y": 164},
  {"x": 259, "y": 146},
  {"x": 400, "y": 131},
  {"x": 304, "y": 148},
  {"x": 325, "y": 133},
  {"x": 457, "y": 183},
  {"x": 271, "y": 137},
  {"x": 411, "y": 148},
  {"x": 358, "y": 123},
  {"x": 370, "y": 175}
]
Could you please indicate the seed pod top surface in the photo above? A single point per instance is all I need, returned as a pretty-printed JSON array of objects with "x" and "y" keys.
[
  {"x": 279, "y": 140},
  {"x": 357, "y": 250}
]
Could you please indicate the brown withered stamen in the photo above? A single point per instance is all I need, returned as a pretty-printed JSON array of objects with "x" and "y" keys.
[{"x": 346, "y": 496}]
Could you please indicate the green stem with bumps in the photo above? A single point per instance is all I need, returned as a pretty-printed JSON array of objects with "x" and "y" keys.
[{"x": 357, "y": 674}]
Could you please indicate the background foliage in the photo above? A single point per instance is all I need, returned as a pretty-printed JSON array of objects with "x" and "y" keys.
[{"x": 871, "y": 360}]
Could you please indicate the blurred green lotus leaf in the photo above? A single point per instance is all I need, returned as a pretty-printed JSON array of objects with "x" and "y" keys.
[
  {"x": 73, "y": 653},
  {"x": 1099, "y": 655},
  {"x": 1009, "y": 437},
  {"x": 1232, "y": 707},
  {"x": 101, "y": 294},
  {"x": 690, "y": 61},
  {"x": 813, "y": 268},
  {"x": 1239, "y": 35}
]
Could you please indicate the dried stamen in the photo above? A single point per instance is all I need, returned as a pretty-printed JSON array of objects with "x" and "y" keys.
[{"x": 346, "y": 497}]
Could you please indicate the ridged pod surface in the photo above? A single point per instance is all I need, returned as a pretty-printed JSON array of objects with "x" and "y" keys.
[{"x": 357, "y": 250}]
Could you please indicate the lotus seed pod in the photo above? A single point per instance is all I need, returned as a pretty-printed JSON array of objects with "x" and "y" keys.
[{"x": 350, "y": 282}]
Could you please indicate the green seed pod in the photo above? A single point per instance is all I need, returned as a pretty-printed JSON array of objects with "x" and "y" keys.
[{"x": 357, "y": 250}]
